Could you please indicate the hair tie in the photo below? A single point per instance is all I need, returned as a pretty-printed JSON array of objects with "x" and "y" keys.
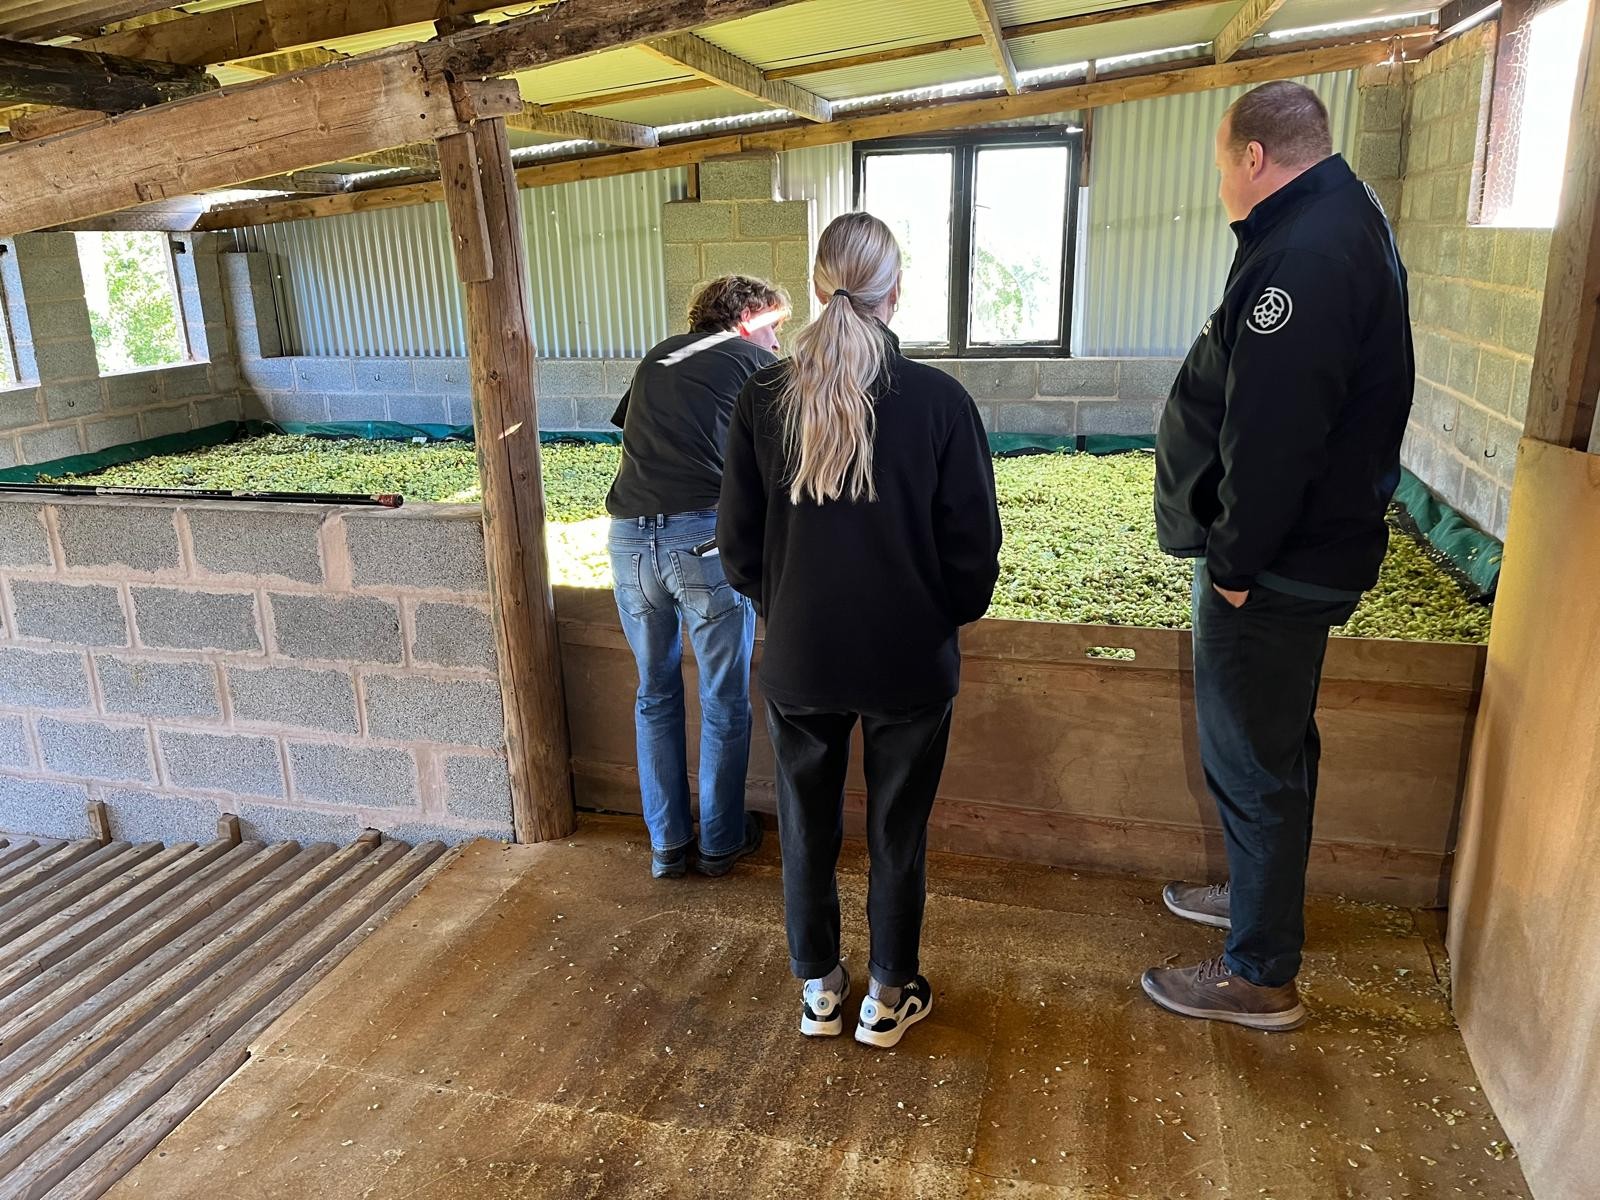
[{"x": 842, "y": 292}]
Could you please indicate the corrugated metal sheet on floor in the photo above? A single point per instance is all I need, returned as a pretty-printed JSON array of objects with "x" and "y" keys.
[
  {"x": 134, "y": 978},
  {"x": 1159, "y": 245}
]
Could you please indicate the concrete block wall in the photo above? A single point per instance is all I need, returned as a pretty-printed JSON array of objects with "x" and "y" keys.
[
  {"x": 315, "y": 670},
  {"x": 737, "y": 226},
  {"x": 63, "y": 406},
  {"x": 1476, "y": 291}
]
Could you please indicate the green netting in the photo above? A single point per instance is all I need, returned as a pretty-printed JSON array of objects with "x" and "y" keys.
[
  {"x": 1469, "y": 554},
  {"x": 1472, "y": 556}
]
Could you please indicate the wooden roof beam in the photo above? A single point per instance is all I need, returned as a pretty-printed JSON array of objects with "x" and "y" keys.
[
  {"x": 994, "y": 37},
  {"x": 53, "y": 20},
  {"x": 714, "y": 64},
  {"x": 1242, "y": 26},
  {"x": 584, "y": 126},
  {"x": 922, "y": 118},
  {"x": 65, "y": 77}
]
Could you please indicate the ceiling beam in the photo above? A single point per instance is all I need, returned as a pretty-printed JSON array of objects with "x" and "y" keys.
[
  {"x": 921, "y": 118},
  {"x": 584, "y": 126},
  {"x": 31, "y": 124},
  {"x": 714, "y": 64},
  {"x": 1242, "y": 26},
  {"x": 52, "y": 20},
  {"x": 994, "y": 37},
  {"x": 64, "y": 77}
]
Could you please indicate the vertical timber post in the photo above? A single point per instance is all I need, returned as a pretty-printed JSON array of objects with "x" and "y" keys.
[
  {"x": 480, "y": 191},
  {"x": 1566, "y": 362}
]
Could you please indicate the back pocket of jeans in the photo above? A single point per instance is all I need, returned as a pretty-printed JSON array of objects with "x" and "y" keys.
[
  {"x": 628, "y": 584},
  {"x": 703, "y": 587}
]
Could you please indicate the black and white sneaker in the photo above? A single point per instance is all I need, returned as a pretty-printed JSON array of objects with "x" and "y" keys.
[
  {"x": 882, "y": 1026},
  {"x": 822, "y": 1011}
]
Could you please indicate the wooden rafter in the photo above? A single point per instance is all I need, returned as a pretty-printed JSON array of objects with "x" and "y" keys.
[
  {"x": 715, "y": 65},
  {"x": 584, "y": 126},
  {"x": 994, "y": 37},
  {"x": 925, "y": 118},
  {"x": 1566, "y": 361},
  {"x": 66, "y": 77},
  {"x": 1242, "y": 26},
  {"x": 52, "y": 20}
]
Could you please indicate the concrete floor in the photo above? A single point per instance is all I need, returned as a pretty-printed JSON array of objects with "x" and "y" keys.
[{"x": 549, "y": 1022}]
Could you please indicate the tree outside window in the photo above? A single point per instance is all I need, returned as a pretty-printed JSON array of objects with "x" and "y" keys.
[{"x": 133, "y": 300}]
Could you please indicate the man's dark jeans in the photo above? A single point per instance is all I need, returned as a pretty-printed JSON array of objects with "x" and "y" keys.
[
  {"x": 904, "y": 757},
  {"x": 1256, "y": 674}
]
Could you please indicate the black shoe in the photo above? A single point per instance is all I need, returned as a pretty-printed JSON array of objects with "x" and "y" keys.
[
  {"x": 884, "y": 1027},
  {"x": 669, "y": 864},
  {"x": 721, "y": 864}
]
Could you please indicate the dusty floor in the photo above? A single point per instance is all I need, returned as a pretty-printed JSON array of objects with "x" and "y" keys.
[{"x": 549, "y": 1022}]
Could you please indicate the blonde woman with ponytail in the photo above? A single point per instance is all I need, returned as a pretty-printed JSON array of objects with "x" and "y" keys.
[{"x": 858, "y": 512}]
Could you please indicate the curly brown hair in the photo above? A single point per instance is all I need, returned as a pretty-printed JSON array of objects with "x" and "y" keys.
[{"x": 719, "y": 305}]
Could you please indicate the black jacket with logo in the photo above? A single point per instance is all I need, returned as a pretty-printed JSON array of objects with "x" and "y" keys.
[
  {"x": 863, "y": 600},
  {"x": 1279, "y": 448}
]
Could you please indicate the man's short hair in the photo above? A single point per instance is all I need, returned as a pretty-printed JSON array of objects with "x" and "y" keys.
[
  {"x": 719, "y": 305},
  {"x": 1288, "y": 119}
]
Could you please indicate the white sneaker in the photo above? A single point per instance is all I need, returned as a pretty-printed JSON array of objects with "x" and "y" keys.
[
  {"x": 882, "y": 1026},
  {"x": 822, "y": 1011}
]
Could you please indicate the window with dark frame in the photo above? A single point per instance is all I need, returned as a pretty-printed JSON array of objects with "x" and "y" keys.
[
  {"x": 987, "y": 223},
  {"x": 1530, "y": 117}
]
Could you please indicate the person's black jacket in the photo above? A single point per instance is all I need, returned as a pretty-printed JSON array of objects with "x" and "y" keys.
[
  {"x": 862, "y": 599},
  {"x": 674, "y": 421},
  {"x": 1279, "y": 448}
]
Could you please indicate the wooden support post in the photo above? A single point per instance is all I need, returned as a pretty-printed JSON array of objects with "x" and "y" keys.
[
  {"x": 99, "y": 822},
  {"x": 1566, "y": 361},
  {"x": 228, "y": 829},
  {"x": 480, "y": 191}
]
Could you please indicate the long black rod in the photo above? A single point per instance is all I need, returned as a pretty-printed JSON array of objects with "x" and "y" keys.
[{"x": 381, "y": 499}]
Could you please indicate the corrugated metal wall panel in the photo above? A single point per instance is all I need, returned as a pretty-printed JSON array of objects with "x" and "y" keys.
[
  {"x": 384, "y": 283},
  {"x": 1159, "y": 245},
  {"x": 824, "y": 174}
]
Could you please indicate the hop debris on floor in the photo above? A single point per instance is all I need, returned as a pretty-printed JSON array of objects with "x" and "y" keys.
[{"x": 547, "y": 1021}]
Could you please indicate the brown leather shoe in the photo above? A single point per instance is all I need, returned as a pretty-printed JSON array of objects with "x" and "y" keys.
[
  {"x": 1207, "y": 903},
  {"x": 1212, "y": 992}
]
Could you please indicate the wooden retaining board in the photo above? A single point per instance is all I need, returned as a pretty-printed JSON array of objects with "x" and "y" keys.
[{"x": 1062, "y": 758}]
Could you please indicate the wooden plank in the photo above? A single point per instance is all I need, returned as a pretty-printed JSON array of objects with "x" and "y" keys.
[
  {"x": 81, "y": 921},
  {"x": 585, "y": 126},
  {"x": 994, "y": 37},
  {"x": 10, "y": 852},
  {"x": 105, "y": 1105},
  {"x": 49, "y": 898},
  {"x": 133, "y": 1050},
  {"x": 1242, "y": 26},
  {"x": 37, "y": 1090},
  {"x": 59, "y": 857},
  {"x": 1566, "y": 362},
  {"x": 52, "y": 20},
  {"x": 505, "y": 412},
  {"x": 1524, "y": 906},
  {"x": 36, "y": 123},
  {"x": 36, "y": 853},
  {"x": 715, "y": 65},
  {"x": 921, "y": 119},
  {"x": 67, "y": 77},
  {"x": 185, "y": 916},
  {"x": 463, "y": 201},
  {"x": 140, "y": 1136},
  {"x": 480, "y": 99},
  {"x": 210, "y": 141}
]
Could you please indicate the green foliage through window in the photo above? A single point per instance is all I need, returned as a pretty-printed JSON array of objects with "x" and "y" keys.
[{"x": 133, "y": 303}]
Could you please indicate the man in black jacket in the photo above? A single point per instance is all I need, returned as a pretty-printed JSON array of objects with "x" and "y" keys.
[{"x": 1278, "y": 453}]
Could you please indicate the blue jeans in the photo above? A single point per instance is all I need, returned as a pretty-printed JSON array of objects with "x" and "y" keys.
[
  {"x": 661, "y": 587},
  {"x": 1257, "y": 670}
]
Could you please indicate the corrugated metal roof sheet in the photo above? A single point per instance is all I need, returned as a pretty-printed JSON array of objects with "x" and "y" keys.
[
  {"x": 951, "y": 66},
  {"x": 1297, "y": 14},
  {"x": 611, "y": 71},
  {"x": 1022, "y": 12},
  {"x": 705, "y": 105},
  {"x": 1122, "y": 37},
  {"x": 837, "y": 27}
]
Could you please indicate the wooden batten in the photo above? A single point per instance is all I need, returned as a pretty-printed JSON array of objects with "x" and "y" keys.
[{"x": 1243, "y": 26}]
